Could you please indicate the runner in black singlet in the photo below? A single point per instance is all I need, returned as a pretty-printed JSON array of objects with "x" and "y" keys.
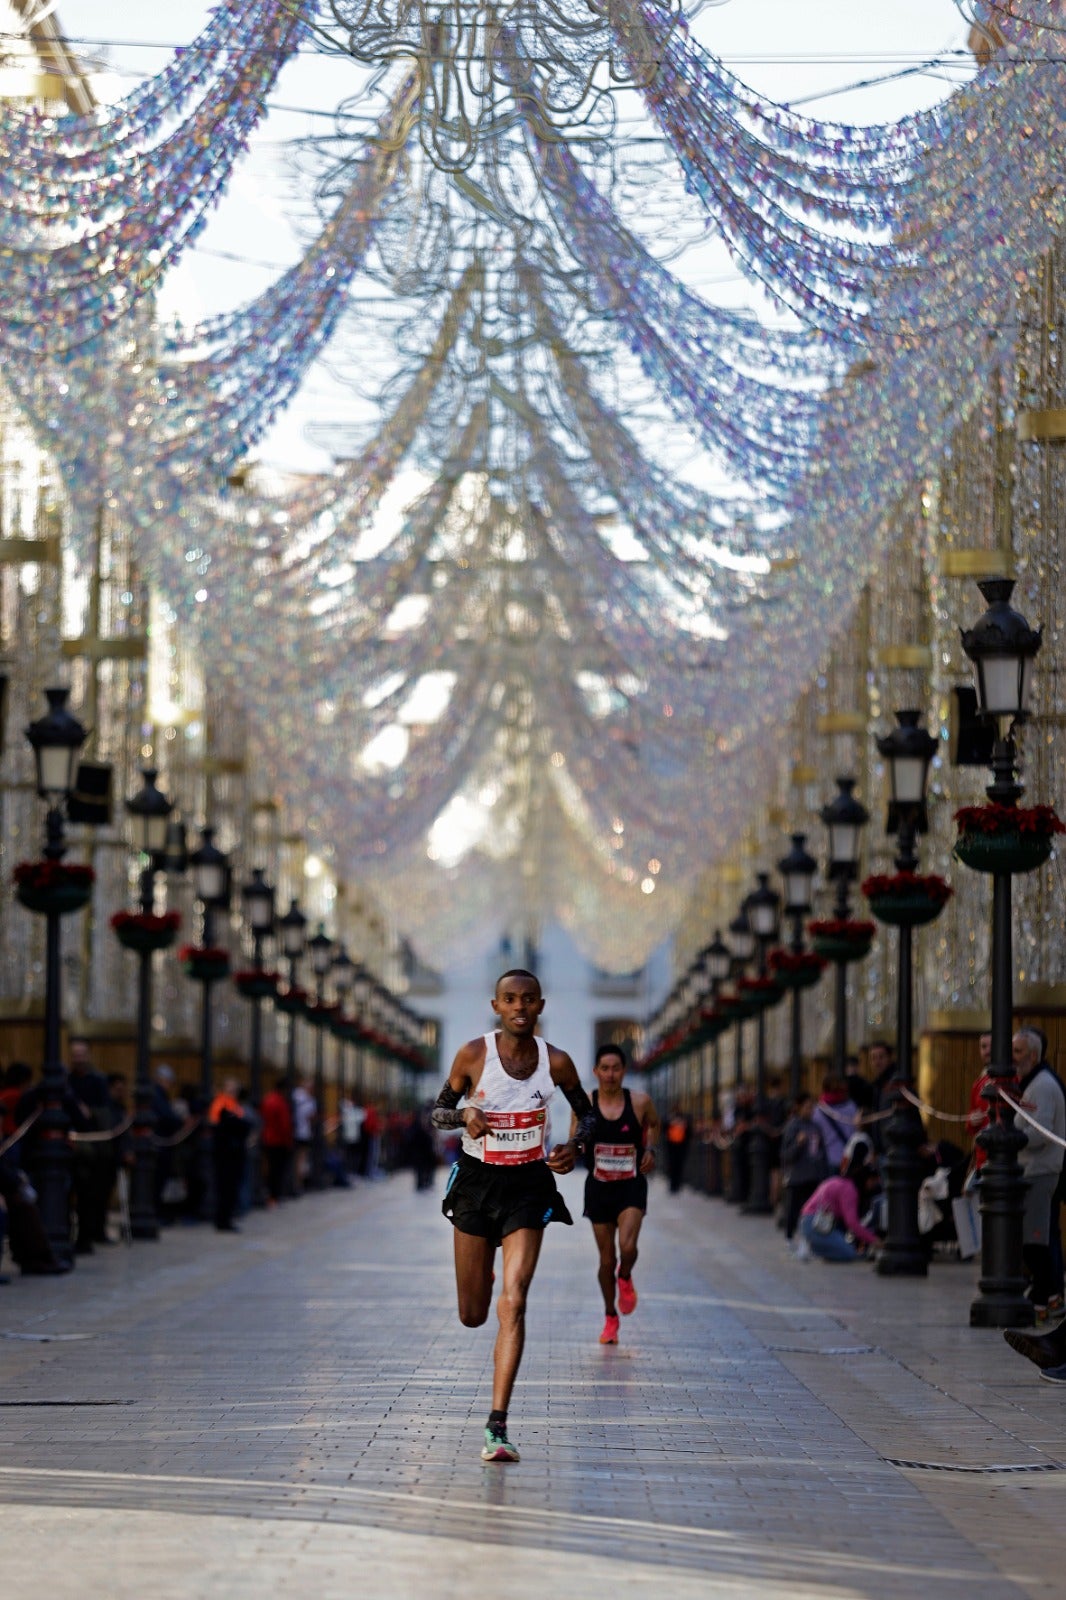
[
  {"x": 502, "y": 1191},
  {"x": 620, "y": 1155}
]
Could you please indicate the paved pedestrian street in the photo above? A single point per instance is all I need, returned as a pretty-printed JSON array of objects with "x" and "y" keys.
[{"x": 297, "y": 1411}]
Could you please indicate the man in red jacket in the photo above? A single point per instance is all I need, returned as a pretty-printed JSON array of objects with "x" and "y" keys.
[{"x": 275, "y": 1136}]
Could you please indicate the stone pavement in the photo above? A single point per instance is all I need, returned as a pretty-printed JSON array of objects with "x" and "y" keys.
[{"x": 297, "y": 1411}]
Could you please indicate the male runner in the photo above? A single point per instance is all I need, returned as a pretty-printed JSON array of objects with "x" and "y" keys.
[
  {"x": 624, "y": 1136},
  {"x": 501, "y": 1191}
]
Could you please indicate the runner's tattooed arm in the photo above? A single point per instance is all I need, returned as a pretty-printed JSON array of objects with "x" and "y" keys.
[
  {"x": 585, "y": 1116},
  {"x": 444, "y": 1113}
]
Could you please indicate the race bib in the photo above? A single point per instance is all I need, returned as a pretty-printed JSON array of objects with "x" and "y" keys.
[
  {"x": 613, "y": 1161},
  {"x": 514, "y": 1137}
]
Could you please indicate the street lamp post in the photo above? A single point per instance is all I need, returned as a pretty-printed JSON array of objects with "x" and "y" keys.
[
  {"x": 797, "y": 868},
  {"x": 211, "y": 884},
  {"x": 742, "y": 945},
  {"x": 293, "y": 928},
  {"x": 257, "y": 898},
  {"x": 1002, "y": 647},
  {"x": 909, "y": 749},
  {"x": 845, "y": 817},
  {"x": 715, "y": 959},
  {"x": 56, "y": 739},
  {"x": 362, "y": 989},
  {"x": 321, "y": 951},
  {"x": 343, "y": 980},
  {"x": 764, "y": 914},
  {"x": 149, "y": 811}
]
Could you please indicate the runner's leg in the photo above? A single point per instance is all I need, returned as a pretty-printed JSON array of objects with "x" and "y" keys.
[
  {"x": 604, "y": 1232},
  {"x": 629, "y": 1222},
  {"x": 520, "y": 1252},
  {"x": 473, "y": 1277}
]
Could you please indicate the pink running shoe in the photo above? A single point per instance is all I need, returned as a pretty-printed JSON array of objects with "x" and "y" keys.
[
  {"x": 627, "y": 1297},
  {"x": 610, "y": 1331}
]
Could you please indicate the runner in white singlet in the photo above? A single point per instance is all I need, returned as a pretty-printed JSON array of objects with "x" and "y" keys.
[{"x": 502, "y": 1192}]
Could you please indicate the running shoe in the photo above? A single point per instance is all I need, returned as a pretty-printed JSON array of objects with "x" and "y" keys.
[
  {"x": 627, "y": 1297},
  {"x": 1054, "y": 1374},
  {"x": 610, "y": 1331},
  {"x": 497, "y": 1446}
]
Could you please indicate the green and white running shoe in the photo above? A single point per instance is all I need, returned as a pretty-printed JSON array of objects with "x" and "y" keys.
[{"x": 497, "y": 1446}]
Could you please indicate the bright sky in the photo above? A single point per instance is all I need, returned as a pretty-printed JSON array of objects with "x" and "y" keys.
[{"x": 788, "y": 51}]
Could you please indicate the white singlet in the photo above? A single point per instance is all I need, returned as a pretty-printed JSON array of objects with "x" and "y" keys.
[{"x": 516, "y": 1110}]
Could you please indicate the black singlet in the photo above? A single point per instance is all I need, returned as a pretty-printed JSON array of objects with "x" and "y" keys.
[{"x": 608, "y": 1147}]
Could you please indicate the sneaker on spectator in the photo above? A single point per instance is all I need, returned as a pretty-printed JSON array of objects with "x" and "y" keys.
[{"x": 1054, "y": 1374}]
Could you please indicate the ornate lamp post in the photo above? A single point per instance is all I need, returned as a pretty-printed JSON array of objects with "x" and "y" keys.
[
  {"x": 293, "y": 929},
  {"x": 321, "y": 951},
  {"x": 908, "y": 749},
  {"x": 257, "y": 900},
  {"x": 149, "y": 811},
  {"x": 1002, "y": 647},
  {"x": 764, "y": 914},
  {"x": 716, "y": 960},
  {"x": 845, "y": 817},
  {"x": 362, "y": 989},
  {"x": 742, "y": 945},
  {"x": 797, "y": 869},
  {"x": 56, "y": 739},
  {"x": 211, "y": 884},
  {"x": 343, "y": 981}
]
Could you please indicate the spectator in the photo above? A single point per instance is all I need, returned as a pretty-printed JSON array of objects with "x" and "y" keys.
[
  {"x": 167, "y": 1124},
  {"x": 678, "y": 1135},
  {"x": 977, "y": 1121},
  {"x": 836, "y": 1117},
  {"x": 14, "y": 1082},
  {"x": 94, "y": 1172},
  {"x": 372, "y": 1141},
  {"x": 1041, "y": 1161},
  {"x": 304, "y": 1117},
  {"x": 250, "y": 1166},
  {"x": 228, "y": 1138},
  {"x": 276, "y": 1138},
  {"x": 351, "y": 1128},
  {"x": 831, "y": 1214},
  {"x": 802, "y": 1159},
  {"x": 882, "y": 1059}
]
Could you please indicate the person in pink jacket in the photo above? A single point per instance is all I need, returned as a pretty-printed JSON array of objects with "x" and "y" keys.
[{"x": 832, "y": 1214}]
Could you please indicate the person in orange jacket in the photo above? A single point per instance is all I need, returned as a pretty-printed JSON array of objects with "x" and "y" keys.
[{"x": 229, "y": 1134}]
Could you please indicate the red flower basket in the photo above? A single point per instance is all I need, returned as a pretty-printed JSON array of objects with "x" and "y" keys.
[
  {"x": 53, "y": 886},
  {"x": 293, "y": 1002},
  {"x": 205, "y": 963},
  {"x": 796, "y": 969},
  {"x": 254, "y": 985},
  {"x": 995, "y": 838},
  {"x": 841, "y": 939},
  {"x": 759, "y": 994},
  {"x": 907, "y": 899},
  {"x": 143, "y": 931},
  {"x": 320, "y": 1014}
]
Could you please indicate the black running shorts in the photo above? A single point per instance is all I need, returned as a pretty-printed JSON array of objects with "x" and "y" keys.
[
  {"x": 491, "y": 1202},
  {"x": 605, "y": 1202}
]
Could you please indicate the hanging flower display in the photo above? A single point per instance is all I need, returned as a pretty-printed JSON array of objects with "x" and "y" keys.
[
  {"x": 292, "y": 1001},
  {"x": 53, "y": 886},
  {"x": 143, "y": 931},
  {"x": 254, "y": 984},
  {"x": 796, "y": 969},
  {"x": 842, "y": 939},
  {"x": 996, "y": 838},
  {"x": 907, "y": 899},
  {"x": 760, "y": 993},
  {"x": 205, "y": 963}
]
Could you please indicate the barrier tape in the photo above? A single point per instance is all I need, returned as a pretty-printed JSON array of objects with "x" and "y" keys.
[
  {"x": 105, "y": 1136},
  {"x": 931, "y": 1111},
  {"x": 1019, "y": 1112},
  {"x": 17, "y": 1135},
  {"x": 183, "y": 1133}
]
